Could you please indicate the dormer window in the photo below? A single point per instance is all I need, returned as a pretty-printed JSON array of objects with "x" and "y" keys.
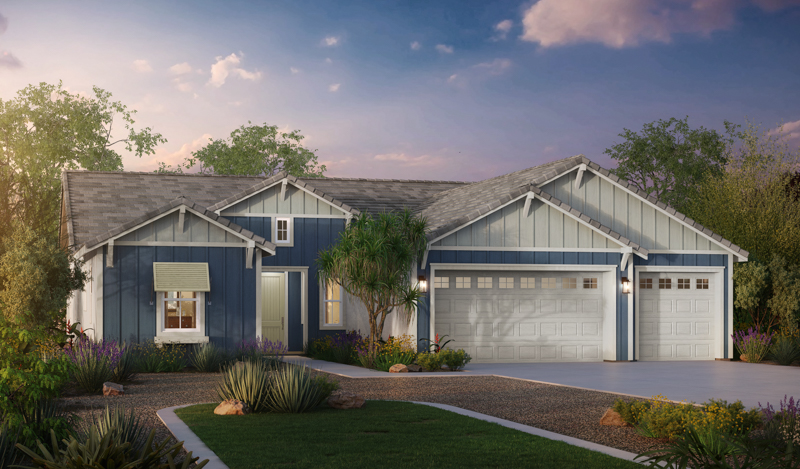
[{"x": 283, "y": 231}]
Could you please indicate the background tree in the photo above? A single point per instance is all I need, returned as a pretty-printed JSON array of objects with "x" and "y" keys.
[
  {"x": 44, "y": 130},
  {"x": 373, "y": 260},
  {"x": 255, "y": 150},
  {"x": 767, "y": 296},
  {"x": 669, "y": 160}
]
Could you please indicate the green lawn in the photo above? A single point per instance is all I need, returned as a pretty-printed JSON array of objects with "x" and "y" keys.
[{"x": 381, "y": 434}]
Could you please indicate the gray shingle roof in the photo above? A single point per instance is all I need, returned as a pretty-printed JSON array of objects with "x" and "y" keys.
[{"x": 258, "y": 240}]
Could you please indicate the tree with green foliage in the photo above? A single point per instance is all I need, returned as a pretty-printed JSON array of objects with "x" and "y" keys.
[
  {"x": 37, "y": 277},
  {"x": 669, "y": 160},
  {"x": 46, "y": 129},
  {"x": 767, "y": 296},
  {"x": 254, "y": 150},
  {"x": 373, "y": 260}
]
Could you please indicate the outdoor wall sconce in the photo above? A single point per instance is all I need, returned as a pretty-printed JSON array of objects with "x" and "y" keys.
[
  {"x": 423, "y": 284},
  {"x": 626, "y": 285}
]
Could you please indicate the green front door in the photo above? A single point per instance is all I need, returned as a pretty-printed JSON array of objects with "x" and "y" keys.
[{"x": 273, "y": 306}]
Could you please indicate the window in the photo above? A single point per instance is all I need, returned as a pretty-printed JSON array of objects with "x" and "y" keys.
[
  {"x": 283, "y": 231},
  {"x": 569, "y": 283},
  {"x": 463, "y": 282},
  {"x": 441, "y": 282},
  {"x": 548, "y": 282},
  {"x": 664, "y": 283},
  {"x": 180, "y": 310},
  {"x": 527, "y": 282},
  {"x": 684, "y": 283},
  {"x": 590, "y": 282},
  {"x": 506, "y": 282},
  {"x": 646, "y": 283},
  {"x": 484, "y": 282},
  {"x": 702, "y": 284},
  {"x": 332, "y": 303}
]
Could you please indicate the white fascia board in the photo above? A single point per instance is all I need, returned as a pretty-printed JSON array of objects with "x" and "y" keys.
[
  {"x": 528, "y": 267},
  {"x": 679, "y": 268},
  {"x": 169, "y": 212},
  {"x": 282, "y": 181}
]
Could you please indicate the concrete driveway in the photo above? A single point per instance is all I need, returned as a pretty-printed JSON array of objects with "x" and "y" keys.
[{"x": 696, "y": 381}]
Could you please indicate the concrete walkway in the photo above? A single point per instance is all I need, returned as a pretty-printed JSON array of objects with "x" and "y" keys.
[{"x": 696, "y": 381}]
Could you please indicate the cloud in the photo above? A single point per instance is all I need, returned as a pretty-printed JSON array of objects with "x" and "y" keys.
[
  {"x": 495, "y": 67},
  {"x": 789, "y": 132},
  {"x": 776, "y": 5},
  {"x": 444, "y": 49},
  {"x": 142, "y": 66},
  {"x": 172, "y": 158},
  {"x": 623, "y": 23},
  {"x": 3, "y": 24},
  {"x": 181, "y": 69},
  {"x": 452, "y": 78},
  {"x": 416, "y": 45},
  {"x": 331, "y": 41},
  {"x": 8, "y": 60},
  {"x": 229, "y": 66},
  {"x": 182, "y": 85},
  {"x": 328, "y": 60},
  {"x": 294, "y": 71},
  {"x": 406, "y": 160},
  {"x": 334, "y": 87},
  {"x": 501, "y": 30}
]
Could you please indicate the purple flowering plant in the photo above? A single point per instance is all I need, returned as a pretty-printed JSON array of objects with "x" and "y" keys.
[
  {"x": 261, "y": 348},
  {"x": 785, "y": 422},
  {"x": 752, "y": 344},
  {"x": 95, "y": 362}
]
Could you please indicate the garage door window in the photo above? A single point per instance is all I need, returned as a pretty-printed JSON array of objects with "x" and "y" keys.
[
  {"x": 664, "y": 283},
  {"x": 484, "y": 282},
  {"x": 506, "y": 282},
  {"x": 569, "y": 283},
  {"x": 684, "y": 284},
  {"x": 463, "y": 282},
  {"x": 646, "y": 284},
  {"x": 590, "y": 283},
  {"x": 548, "y": 283},
  {"x": 702, "y": 284},
  {"x": 527, "y": 282},
  {"x": 441, "y": 282}
]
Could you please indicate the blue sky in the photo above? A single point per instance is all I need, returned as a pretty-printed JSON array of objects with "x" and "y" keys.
[{"x": 424, "y": 90}]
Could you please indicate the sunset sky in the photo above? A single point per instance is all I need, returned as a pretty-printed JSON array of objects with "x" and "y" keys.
[{"x": 460, "y": 90}]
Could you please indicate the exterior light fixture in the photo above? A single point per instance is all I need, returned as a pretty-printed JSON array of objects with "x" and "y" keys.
[
  {"x": 626, "y": 285},
  {"x": 422, "y": 283}
]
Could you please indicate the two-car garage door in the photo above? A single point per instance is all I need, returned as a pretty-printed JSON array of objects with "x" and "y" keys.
[{"x": 521, "y": 316}]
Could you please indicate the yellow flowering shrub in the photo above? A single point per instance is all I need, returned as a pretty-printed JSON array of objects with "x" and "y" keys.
[{"x": 401, "y": 343}]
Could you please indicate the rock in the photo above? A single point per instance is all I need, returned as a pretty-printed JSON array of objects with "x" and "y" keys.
[
  {"x": 414, "y": 368},
  {"x": 399, "y": 368},
  {"x": 612, "y": 419},
  {"x": 346, "y": 400},
  {"x": 232, "y": 407},
  {"x": 113, "y": 389},
  {"x": 743, "y": 357}
]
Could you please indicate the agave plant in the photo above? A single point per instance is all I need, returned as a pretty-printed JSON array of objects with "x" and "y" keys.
[
  {"x": 208, "y": 358},
  {"x": 123, "y": 427},
  {"x": 8, "y": 450},
  {"x": 294, "y": 390},
  {"x": 247, "y": 381}
]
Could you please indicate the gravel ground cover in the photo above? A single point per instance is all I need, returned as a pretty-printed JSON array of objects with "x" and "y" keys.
[{"x": 564, "y": 410}]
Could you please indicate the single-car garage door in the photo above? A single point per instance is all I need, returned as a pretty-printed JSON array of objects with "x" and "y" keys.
[
  {"x": 521, "y": 316},
  {"x": 677, "y": 316}
]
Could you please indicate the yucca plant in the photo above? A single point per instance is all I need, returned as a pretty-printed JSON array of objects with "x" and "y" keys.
[
  {"x": 247, "y": 381},
  {"x": 96, "y": 451},
  {"x": 294, "y": 390},
  {"x": 208, "y": 358},
  {"x": 8, "y": 450},
  {"x": 785, "y": 350},
  {"x": 123, "y": 427}
]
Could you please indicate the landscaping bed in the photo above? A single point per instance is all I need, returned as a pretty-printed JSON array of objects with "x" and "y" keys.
[{"x": 381, "y": 433}]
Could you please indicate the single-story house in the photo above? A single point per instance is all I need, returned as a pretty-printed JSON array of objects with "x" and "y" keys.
[{"x": 559, "y": 262}]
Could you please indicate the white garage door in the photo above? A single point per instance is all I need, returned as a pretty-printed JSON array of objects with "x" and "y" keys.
[
  {"x": 521, "y": 316},
  {"x": 676, "y": 316}
]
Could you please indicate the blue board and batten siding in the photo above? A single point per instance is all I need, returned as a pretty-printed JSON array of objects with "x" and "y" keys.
[
  {"x": 128, "y": 290},
  {"x": 528, "y": 258}
]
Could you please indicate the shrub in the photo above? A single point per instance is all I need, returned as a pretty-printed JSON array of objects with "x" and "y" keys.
[
  {"x": 96, "y": 450},
  {"x": 125, "y": 370},
  {"x": 785, "y": 350},
  {"x": 95, "y": 363},
  {"x": 784, "y": 424},
  {"x": 455, "y": 359},
  {"x": 261, "y": 349},
  {"x": 343, "y": 347},
  {"x": 385, "y": 360},
  {"x": 247, "y": 381},
  {"x": 8, "y": 450},
  {"x": 123, "y": 428},
  {"x": 430, "y": 361},
  {"x": 366, "y": 359},
  {"x": 294, "y": 390},
  {"x": 660, "y": 418},
  {"x": 753, "y": 344},
  {"x": 208, "y": 358},
  {"x": 160, "y": 358}
]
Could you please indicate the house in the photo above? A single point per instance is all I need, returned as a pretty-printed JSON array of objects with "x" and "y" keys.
[{"x": 559, "y": 262}]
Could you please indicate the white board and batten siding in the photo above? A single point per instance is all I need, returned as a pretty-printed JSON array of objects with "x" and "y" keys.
[{"x": 295, "y": 202}]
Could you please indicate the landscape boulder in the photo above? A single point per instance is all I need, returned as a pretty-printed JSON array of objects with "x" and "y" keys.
[
  {"x": 113, "y": 389},
  {"x": 743, "y": 357},
  {"x": 414, "y": 368},
  {"x": 399, "y": 368},
  {"x": 612, "y": 419},
  {"x": 346, "y": 400},
  {"x": 232, "y": 407}
]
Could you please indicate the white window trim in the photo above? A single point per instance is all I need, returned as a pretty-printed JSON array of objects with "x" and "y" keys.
[
  {"x": 181, "y": 336},
  {"x": 322, "y": 325},
  {"x": 289, "y": 235}
]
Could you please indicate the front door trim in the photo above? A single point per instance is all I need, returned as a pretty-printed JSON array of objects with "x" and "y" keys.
[{"x": 303, "y": 298}]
